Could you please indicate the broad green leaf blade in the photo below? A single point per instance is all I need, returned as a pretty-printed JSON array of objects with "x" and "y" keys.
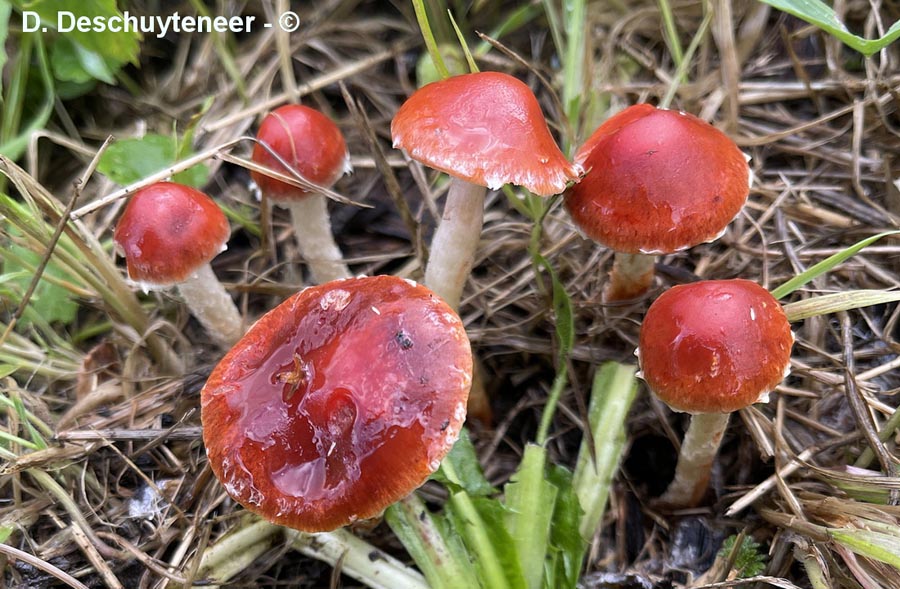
[
  {"x": 118, "y": 48},
  {"x": 441, "y": 557},
  {"x": 841, "y": 301},
  {"x": 612, "y": 394},
  {"x": 878, "y": 545},
  {"x": 130, "y": 160},
  {"x": 567, "y": 549},
  {"x": 461, "y": 470},
  {"x": 825, "y": 265},
  {"x": 49, "y": 301},
  {"x": 480, "y": 523},
  {"x": 528, "y": 519},
  {"x": 823, "y": 16}
]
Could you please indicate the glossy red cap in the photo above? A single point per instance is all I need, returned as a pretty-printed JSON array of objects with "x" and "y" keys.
[
  {"x": 486, "y": 128},
  {"x": 338, "y": 402},
  {"x": 167, "y": 231},
  {"x": 306, "y": 139},
  {"x": 714, "y": 346},
  {"x": 657, "y": 181}
]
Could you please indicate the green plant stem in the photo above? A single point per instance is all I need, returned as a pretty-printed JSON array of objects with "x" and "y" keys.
[
  {"x": 671, "y": 31},
  {"x": 428, "y": 36},
  {"x": 681, "y": 70},
  {"x": 559, "y": 383}
]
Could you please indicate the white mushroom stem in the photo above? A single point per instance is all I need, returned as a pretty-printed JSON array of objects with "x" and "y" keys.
[
  {"x": 698, "y": 452},
  {"x": 312, "y": 227},
  {"x": 211, "y": 304},
  {"x": 631, "y": 276},
  {"x": 453, "y": 246}
]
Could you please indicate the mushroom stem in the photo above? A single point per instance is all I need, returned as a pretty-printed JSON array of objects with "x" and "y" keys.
[
  {"x": 313, "y": 230},
  {"x": 631, "y": 276},
  {"x": 358, "y": 559},
  {"x": 698, "y": 451},
  {"x": 211, "y": 304},
  {"x": 453, "y": 247}
]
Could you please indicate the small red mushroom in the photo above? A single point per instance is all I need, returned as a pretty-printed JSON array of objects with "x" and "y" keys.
[
  {"x": 710, "y": 348},
  {"x": 486, "y": 130},
  {"x": 656, "y": 181},
  {"x": 168, "y": 233},
  {"x": 338, "y": 402},
  {"x": 314, "y": 147}
]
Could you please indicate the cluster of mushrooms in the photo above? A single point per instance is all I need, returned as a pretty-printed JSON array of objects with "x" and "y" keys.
[{"x": 298, "y": 425}]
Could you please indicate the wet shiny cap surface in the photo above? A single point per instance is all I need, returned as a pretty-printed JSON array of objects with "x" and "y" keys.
[
  {"x": 657, "y": 181},
  {"x": 714, "y": 346},
  {"x": 307, "y": 140},
  {"x": 486, "y": 128},
  {"x": 338, "y": 402},
  {"x": 167, "y": 231}
]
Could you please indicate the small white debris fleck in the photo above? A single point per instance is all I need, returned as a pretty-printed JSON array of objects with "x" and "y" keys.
[
  {"x": 752, "y": 314},
  {"x": 336, "y": 299},
  {"x": 375, "y": 310}
]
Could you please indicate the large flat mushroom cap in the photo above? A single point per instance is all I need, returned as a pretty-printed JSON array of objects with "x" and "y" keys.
[
  {"x": 168, "y": 231},
  {"x": 714, "y": 346},
  {"x": 486, "y": 128},
  {"x": 657, "y": 181},
  {"x": 338, "y": 402}
]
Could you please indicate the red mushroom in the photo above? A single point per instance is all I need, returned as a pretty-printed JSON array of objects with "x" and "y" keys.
[
  {"x": 485, "y": 130},
  {"x": 338, "y": 402},
  {"x": 656, "y": 181},
  {"x": 168, "y": 233},
  {"x": 710, "y": 348},
  {"x": 313, "y": 145}
]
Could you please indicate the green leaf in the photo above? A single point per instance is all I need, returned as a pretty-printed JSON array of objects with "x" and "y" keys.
[
  {"x": 480, "y": 523},
  {"x": 463, "y": 470},
  {"x": 116, "y": 48},
  {"x": 825, "y": 265},
  {"x": 750, "y": 561},
  {"x": 823, "y": 16},
  {"x": 49, "y": 302},
  {"x": 840, "y": 301},
  {"x": 566, "y": 546},
  {"x": 441, "y": 556},
  {"x": 73, "y": 63},
  {"x": 130, "y": 160},
  {"x": 878, "y": 545},
  {"x": 612, "y": 393},
  {"x": 528, "y": 518},
  {"x": 5, "y": 10}
]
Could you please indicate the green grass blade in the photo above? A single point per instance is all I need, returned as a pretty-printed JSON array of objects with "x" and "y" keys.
[
  {"x": 428, "y": 36},
  {"x": 473, "y": 68},
  {"x": 444, "y": 561},
  {"x": 823, "y": 16},
  {"x": 612, "y": 394},
  {"x": 841, "y": 301},
  {"x": 825, "y": 265},
  {"x": 871, "y": 544},
  {"x": 528, "y": 497}
]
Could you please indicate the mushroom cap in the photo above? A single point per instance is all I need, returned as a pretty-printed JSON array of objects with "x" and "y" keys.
[
  {"x": 714, "y": 346},
  {"x": 338, "y": 402},
  {"x": 657, "y": 181},
  {"x": 486, "y": 128},
  {"x": 167, "y": 232},
  {"x": 307, "y": 140}
]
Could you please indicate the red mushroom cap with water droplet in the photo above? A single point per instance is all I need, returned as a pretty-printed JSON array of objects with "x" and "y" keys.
[
  {"x": 657, "y": 181},
  {"x": 307, "y": 140},
  {"x": 338, "y": 402},
  {"x": 167, "y": 231},
  {"x": 486, "y": 128},
  {"x": 714, "y": 346}
]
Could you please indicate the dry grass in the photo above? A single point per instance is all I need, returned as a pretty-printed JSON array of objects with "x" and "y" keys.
[{"x": 131, "y": 502}]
